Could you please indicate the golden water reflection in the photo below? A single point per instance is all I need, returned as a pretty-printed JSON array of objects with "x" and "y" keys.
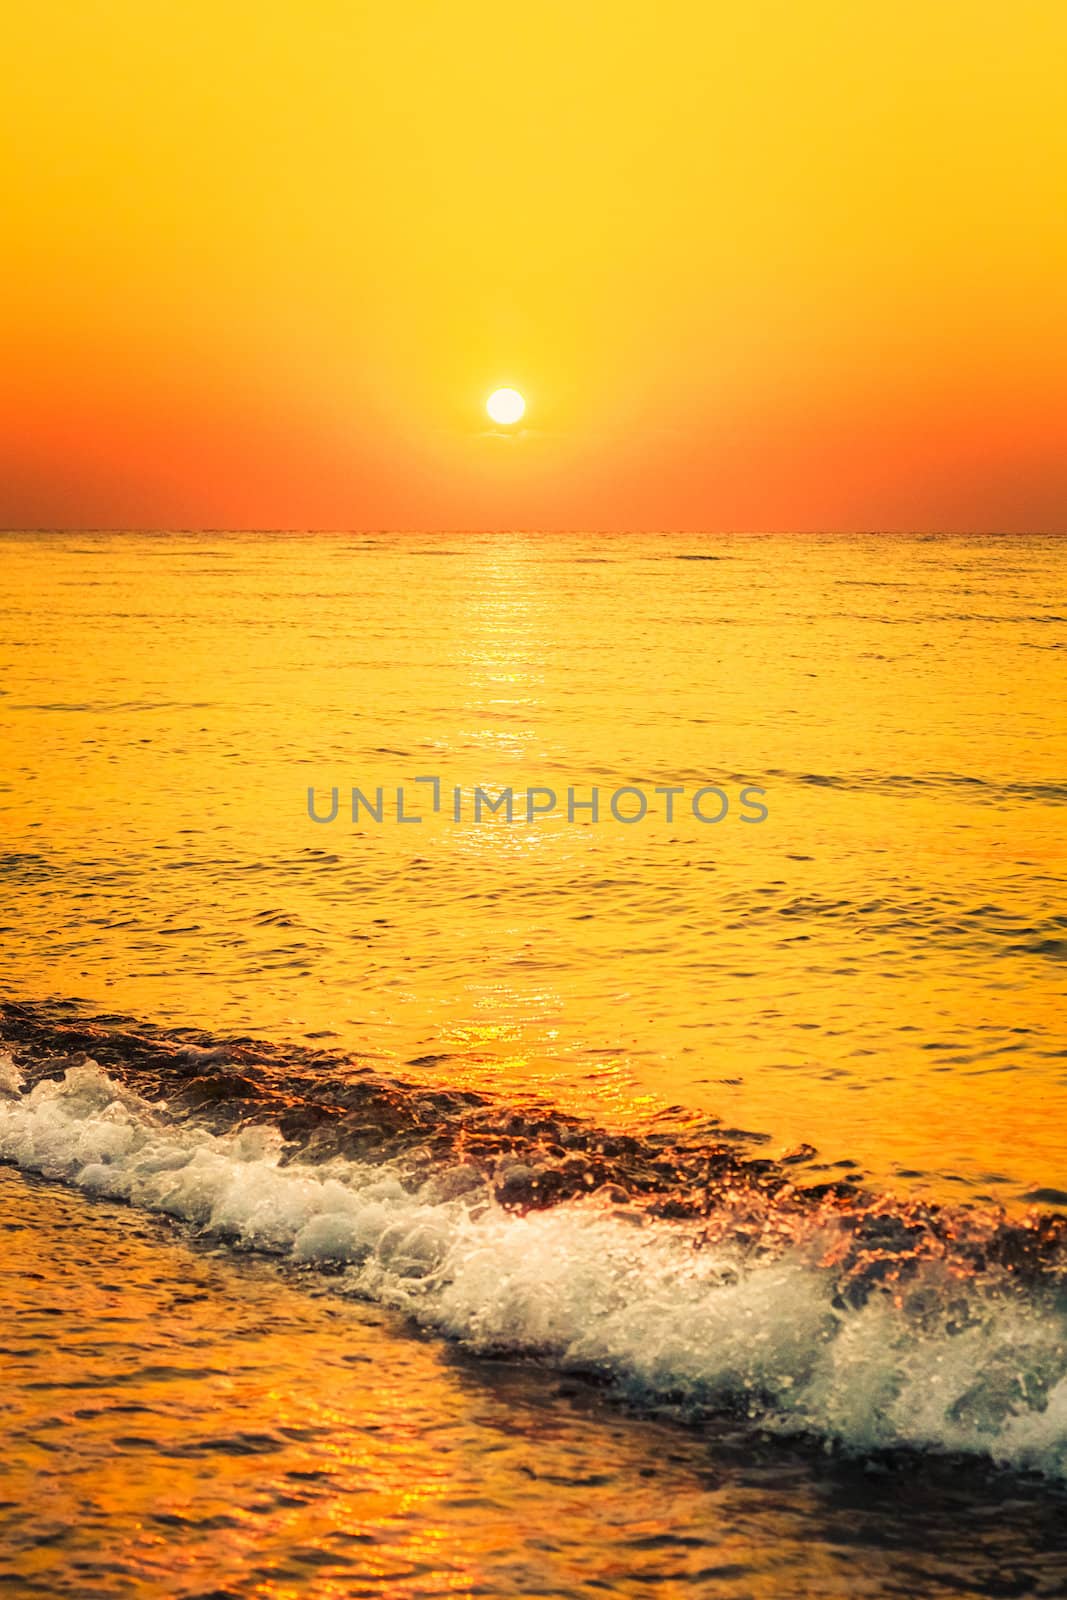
[
  {"x": 180, "y": 1423},
  {"x": 875, "y": 970}
]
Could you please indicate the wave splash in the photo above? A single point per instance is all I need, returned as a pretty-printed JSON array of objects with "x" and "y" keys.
[{"x": 856, "y": 1319}]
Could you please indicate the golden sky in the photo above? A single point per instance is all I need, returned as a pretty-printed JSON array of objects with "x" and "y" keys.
[{"x": 758, "y": 264}]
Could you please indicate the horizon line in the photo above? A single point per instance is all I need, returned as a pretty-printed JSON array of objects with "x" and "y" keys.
[{"x": 732, "y": 532}]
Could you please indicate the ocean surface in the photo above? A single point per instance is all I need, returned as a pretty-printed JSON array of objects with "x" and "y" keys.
[{"x": 407, "y": 1198}]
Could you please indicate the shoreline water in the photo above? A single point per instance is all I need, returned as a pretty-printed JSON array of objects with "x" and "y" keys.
[
  {"x": 689, "y": 1274},
  {"x": 221, "y": 1426}
]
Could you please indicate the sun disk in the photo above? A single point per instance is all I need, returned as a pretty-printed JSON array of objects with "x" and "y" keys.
[{"x": 505, "y": 406}]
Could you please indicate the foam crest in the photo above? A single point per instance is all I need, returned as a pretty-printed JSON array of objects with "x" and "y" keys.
[{"x": 675, "y": 1312}]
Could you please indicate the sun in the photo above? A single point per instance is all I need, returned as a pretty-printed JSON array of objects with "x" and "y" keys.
[{"x": 505, "y": 406}]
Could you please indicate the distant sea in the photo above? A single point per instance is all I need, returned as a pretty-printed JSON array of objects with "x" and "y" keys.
[{"x": 660, "y": 1199}]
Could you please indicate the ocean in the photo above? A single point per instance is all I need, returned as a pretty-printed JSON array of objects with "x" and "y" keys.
[{"x": 533, "y": 1064}]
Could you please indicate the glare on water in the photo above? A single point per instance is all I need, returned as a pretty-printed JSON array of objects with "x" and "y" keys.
[{"x": 874, "y": 969}]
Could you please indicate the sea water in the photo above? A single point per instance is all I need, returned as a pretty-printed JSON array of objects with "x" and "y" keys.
[{"x": 746, "y": 1131}]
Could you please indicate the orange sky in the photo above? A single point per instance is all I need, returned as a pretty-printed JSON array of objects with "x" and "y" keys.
[{"x": 769, "y": 264}]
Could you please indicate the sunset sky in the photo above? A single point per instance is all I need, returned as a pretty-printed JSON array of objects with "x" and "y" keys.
[{"x": 760, "y": 265}]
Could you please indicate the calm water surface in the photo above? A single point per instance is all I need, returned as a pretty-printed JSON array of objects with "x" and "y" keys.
[{"x": 877, "y": 969}]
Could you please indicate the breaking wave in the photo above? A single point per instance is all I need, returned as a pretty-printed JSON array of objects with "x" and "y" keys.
[{"x": 693, "y": 1277}]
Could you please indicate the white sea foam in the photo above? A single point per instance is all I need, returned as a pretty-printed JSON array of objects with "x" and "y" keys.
[{"x": 586, "y": 1283}]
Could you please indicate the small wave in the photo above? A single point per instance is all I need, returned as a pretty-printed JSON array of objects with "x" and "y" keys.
[
  {"x": 962, "y": 785},
  {"x": 25, "y": 866},
  {"x": 980, "y": 789},
  {"x": 690, "y": 1277}
]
